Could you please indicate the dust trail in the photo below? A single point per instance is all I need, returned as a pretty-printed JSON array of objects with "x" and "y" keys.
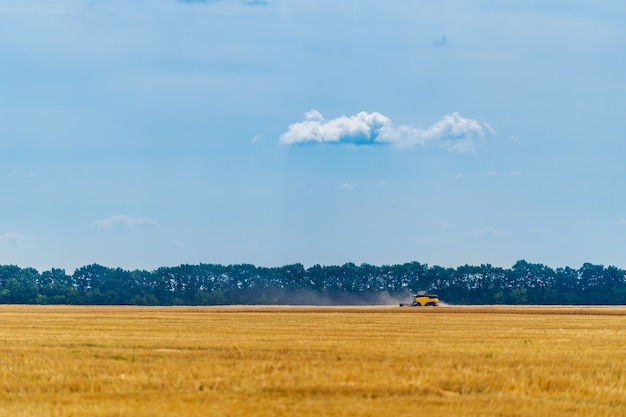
[
  {"x": 393, "y": 299},
  {"x": 316, "y": 298}
]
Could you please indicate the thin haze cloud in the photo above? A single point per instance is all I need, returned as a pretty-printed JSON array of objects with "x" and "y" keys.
[
  {"x": 125, "y": 221},
  {"x": 12, "y": 237},
  {"x": 486, "y": 231},
  {"x": 453, "y": 132}
]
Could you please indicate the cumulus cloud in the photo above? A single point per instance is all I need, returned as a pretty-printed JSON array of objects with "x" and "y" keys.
[
  {"x": 453, "y": 132},
  {"x": 125, "y": 221},
  {"x": 360, "y": 128}
]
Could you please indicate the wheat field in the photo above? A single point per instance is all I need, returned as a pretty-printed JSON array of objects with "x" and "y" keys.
[{"x": 309, "y": 361}]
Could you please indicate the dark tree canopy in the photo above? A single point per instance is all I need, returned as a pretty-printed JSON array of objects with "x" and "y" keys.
[{"x": 214, "y": 284}]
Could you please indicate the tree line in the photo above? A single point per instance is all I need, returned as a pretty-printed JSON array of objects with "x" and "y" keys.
[{"x": 214, "y": 284}]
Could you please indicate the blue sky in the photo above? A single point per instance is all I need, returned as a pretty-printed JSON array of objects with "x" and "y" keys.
[{"x": 152, "y": 133}]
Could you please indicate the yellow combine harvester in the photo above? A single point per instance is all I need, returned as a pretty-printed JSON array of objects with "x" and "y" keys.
[{"x": 422, "y": 298}]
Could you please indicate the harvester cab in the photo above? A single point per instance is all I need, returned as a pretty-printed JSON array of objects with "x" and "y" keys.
[{"x": 422, "y": 298}]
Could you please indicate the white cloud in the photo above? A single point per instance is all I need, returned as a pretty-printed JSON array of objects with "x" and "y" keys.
[
  {"x": 490, "y": 129},
  {"x": 443, "y": 224},
  {"x": 621, "y": 221},
  {"x": 178, "y": 243},
  {"x": 16, "y": 173},
  {"x": 585, "y": 223},
  {"x": 12, "y": 238},
  {"x": 125, "y": 221},
  {"x": 51, "y": 8},
  {"x": 486, "y": 231},
  {"x": 453, "y": 132},
  {"x": 346, "y": 186},
  {"x": 361, "y": 128}
]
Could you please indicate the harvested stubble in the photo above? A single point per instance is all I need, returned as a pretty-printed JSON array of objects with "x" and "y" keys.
[{"x": 121, "y": 361}]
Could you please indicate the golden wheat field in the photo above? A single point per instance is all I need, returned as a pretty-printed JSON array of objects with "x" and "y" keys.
[{"x": 308, "y": 361}]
